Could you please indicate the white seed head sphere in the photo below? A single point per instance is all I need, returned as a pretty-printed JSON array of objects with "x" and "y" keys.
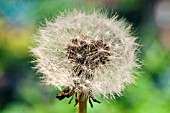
[{"x": 87, "y": 52}]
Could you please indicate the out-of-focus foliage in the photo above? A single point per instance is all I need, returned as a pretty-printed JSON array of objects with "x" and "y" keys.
[{"x": 20, "y": 90}]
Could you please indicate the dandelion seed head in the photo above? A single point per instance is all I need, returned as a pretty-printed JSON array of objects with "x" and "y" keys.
[{"x": 88, "y": 52}]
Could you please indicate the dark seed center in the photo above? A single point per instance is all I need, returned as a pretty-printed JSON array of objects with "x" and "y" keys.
[{"x": 89, "y": 54}]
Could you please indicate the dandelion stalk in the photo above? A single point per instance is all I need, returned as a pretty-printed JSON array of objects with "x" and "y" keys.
[
  {"x": 86, "y": 54},
  {"x": 82, "y": 105}
]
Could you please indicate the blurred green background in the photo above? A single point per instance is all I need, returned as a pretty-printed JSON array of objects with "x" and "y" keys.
[{"x": 20, "y": 91}]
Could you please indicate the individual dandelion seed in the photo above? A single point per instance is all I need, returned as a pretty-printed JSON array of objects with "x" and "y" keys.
[{"x": 88, "y": 54}]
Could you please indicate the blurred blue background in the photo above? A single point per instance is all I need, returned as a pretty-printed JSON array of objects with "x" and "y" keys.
[{"x": 20, "y": 91}]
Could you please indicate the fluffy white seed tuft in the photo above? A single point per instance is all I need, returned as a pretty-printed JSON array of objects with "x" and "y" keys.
[{"x": 109, "y": 78}]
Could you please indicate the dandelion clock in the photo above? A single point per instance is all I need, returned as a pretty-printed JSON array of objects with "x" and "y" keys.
[{"x": 86, "y": 54}]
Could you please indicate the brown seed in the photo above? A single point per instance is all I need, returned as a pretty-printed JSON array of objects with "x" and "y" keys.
[
  {"x": 75, "y": 41},
  {"x": 107, "y": 48}
]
